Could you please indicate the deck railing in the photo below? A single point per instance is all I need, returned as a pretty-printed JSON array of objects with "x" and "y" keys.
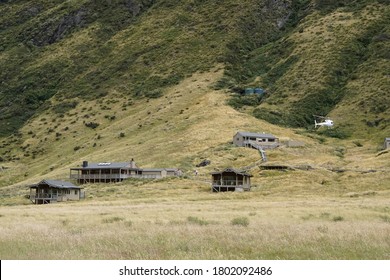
[
  {"x": 44, "y": 196},
  {"x": 49, "y": 196},
  {"x": 228, "y": 183},
  {"x": 97, "y": 177}
]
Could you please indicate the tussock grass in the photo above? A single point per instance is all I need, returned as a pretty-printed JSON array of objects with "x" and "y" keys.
[
  {"x": 240, "y": 221},
  {"x": 196, "y": 220},
  {"x": 167, "y": 229},
  {"x": 338, "y": 219},
  {"x": 385, "y": 218},
  {"x": 112, "y": 220}
]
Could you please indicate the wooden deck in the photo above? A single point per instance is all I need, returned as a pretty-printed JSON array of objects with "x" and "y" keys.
[
  {"x": 105, "y": 178},
  {"x": 45, "y": 198}
]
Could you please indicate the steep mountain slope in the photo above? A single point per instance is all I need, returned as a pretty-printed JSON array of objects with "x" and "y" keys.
[
  {"x": 190, "y": 123},
  {"x": 334, "y": 59},
  {"x": 88, "y": 49},
  {"x": 111, "y": 80}
]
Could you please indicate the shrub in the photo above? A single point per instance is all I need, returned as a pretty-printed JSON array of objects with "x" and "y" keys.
[
  {"x": 273, "y": 117},
  {"x": 358, "y": 143},
  {"x": 196, "y": 220},
  {"x": 92, "y": 125},
  {"x": 338, "y": 218},
  {"x": 335, "y": 133},
  {"x": 240, "y": 221},
  {"x": 64, "y": 107},
  {"x": 112, "y": 220},
  {"x": 238, "y": 101},
  {"x": 385, "y": 218},
  {"x": 154, "y": 94}
]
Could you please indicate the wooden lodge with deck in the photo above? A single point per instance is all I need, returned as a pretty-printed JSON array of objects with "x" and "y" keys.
[
  {"x": 52, "y": 191},
  {"x": 253, "y": 140},
  {"x": 231, "y": 180},
  {"x": 106, "y": 172}
]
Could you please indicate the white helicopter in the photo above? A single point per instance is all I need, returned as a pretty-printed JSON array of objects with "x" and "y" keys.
[{"x": 327, "y": 122}]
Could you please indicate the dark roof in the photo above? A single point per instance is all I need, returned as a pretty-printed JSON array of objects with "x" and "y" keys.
[
  {"x": 56, "y": 184},
  {"x": 120, "y": 165},
  {"x": 241, "y": 172},
  {"x": 106, "y": 165},
  {"x": 255, "y": 134}
]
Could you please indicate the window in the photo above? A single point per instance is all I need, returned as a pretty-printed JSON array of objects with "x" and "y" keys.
[{"x": 76, "y": 192}]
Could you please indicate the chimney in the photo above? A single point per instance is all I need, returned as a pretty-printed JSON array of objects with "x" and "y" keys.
[
  {"x": 132, "y": 164},
  {"x": 85, "y": 163}
]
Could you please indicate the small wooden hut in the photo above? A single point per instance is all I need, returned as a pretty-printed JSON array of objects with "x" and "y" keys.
[
  {"x": 51, "y": 191},
  {"x": 230, "y": 180}
]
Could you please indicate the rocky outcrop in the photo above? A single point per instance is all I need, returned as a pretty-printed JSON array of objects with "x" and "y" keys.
[
  {"x": 53, "y": 31},
  {"x": 46, "y": 29},
  {"x": 279, "y": 8}
]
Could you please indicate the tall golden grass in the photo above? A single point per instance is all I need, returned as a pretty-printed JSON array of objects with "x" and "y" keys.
[{"x": 180, "y": 219}]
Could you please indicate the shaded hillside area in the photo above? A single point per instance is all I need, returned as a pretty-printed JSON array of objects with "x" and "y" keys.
[
  {"x": 90, "y": 49},
  {"x": 334, "y": 60},
  {"x": 75, "y": 66},
  {"x": 310, "y": 56}
]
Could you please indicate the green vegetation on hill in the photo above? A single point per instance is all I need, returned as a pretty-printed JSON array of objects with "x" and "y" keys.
[
  {"x": 308, "y": 68},
  {"x": 72, "y": 72},
  {"x": 88, "y": 49},
  {"x": 160, "y": 81},
  {"x": 305, "y": 53}
]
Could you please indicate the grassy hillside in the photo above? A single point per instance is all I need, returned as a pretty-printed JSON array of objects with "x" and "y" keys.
[
  {"x": 297, "y": 50},
  {"x": 332, "y": 62},
  {"x": 191, "y": 123},
  {"x": 88, "y": 49},
  {"x": 332, "y": 204},
  {"x": 160, "y": 82}
]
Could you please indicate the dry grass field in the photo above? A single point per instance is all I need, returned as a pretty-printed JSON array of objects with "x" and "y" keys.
[{"x": 181, "y": 219}]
